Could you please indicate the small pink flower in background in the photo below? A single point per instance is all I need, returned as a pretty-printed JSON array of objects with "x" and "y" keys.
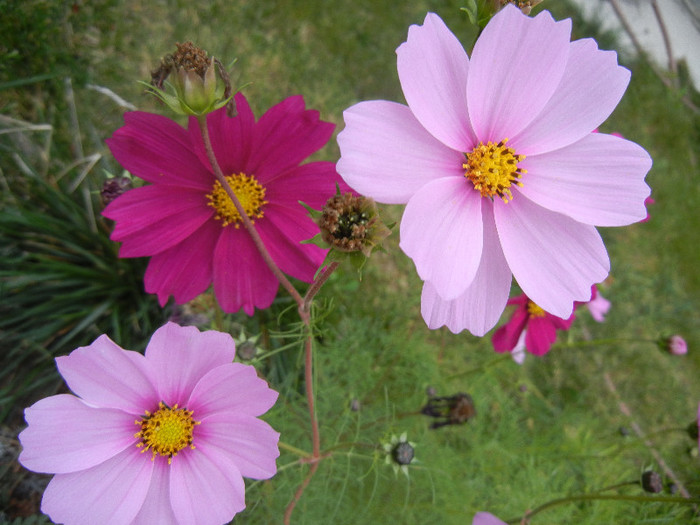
[
  {"x": 497, "y": 164},
  {"x": 160, "y": 438},
  {"x": 598, "y": 306},
  {"x": 486, "y": 518},
  {"x": 187, "y": 224},
  {"x": 539, "y": 328},
  {"x": 677, "y": 345}
]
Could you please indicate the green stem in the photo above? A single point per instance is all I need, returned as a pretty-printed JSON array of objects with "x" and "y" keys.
[
  {"x": 294, "y": 450},
  {"x": 593, "y": 497}
]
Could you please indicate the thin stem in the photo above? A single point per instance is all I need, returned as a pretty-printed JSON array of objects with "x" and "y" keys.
[
  {"x": 297, "y": 495},
  {"x": 593, "y": 497},
  {"x": 202, "y": 120},
  {"x": 317, "y": 284},
  {"x": 293, "y": 450}
]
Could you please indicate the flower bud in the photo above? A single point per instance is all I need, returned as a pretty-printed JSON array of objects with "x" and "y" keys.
[
  {"x": 651, "y": 482},
  {"x": 677, "y": 345},
  {"x": 113, "y": 188},
  {"x": 200, "y": 82},
  {"x": 399, "y": 453}
]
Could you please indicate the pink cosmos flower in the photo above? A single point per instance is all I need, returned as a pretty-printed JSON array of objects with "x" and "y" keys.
[
  {"x": 540, "y": 328},
  {"x": 677, "y": 346},
  {"x": 598, "y": 306},
  {"x": 486, "y": 518},
  {"x": 187, "y": 224},
  {"x": 160, "y": 438},
  {"x": 497, "y": 164}
]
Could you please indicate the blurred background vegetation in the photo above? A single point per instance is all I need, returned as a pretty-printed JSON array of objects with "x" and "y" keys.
[{"x": 544, "y": 430}]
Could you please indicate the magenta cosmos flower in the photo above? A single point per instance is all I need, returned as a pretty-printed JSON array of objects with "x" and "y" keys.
[
  {"x": 538, "y": 328},
  {"x": 160, "y": 438},
  {"x": 187, "y": 224},
  {"x": 497, "y": 163}
]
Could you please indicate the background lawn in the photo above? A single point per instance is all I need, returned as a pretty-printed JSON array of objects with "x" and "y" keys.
[{"x": 548, "y": 429}]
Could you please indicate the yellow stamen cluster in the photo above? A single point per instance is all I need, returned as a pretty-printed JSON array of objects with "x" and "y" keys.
[
  {"x": 493, "y": 168},
  {"x": 535, "y": 311},
  {"x": 249, "y": 192},
  {"x": 166, "y": 431}
]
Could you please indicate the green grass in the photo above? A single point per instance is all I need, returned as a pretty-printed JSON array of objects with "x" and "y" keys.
[{"x": 545, "y": 430}]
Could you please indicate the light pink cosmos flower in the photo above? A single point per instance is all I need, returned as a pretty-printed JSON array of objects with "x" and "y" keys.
[
  {"x": 480, "y": 210},
  {"x": 598, "y": 306},
  {"x": 160, "y": 438},
  {"x": 486, "y": 518},
  {"x": 539, "y": 328},
  {"x": 676, "y": 345},
  {"x": 187, "y": 224}
]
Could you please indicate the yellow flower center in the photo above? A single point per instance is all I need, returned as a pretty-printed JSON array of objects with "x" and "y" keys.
[
  {"x": 493, "y": 169},
  {"x": 535, "y": 311},
  {"x": 249, "y": 192},
  {"x": 166, "y": 431}
]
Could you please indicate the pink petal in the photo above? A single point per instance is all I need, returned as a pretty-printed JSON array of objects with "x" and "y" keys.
[
  {"x": 598, "y": 307},
  {"x": 185, "y": 270},
  {"x": 66, "y": 435},
  {"x": 433, "y": 68},
  {"x": 486, "y": 518},
  {"x": 541, "y": 335},
  {"x": 153, "y": 218},
  {"x": 598, "y": 180},
  {"x": 241, "y": 277},
  {"x": 591, "y": 87},
  {"x": 516, "y": 66},
  {"x": 481, "y": 305},
  {"x": 386, "y": 154},
  {"x": 248, "y": 441},
  {"x": 156, "y": 508},
  {"x": 105, "y": 375},
  {"x": 231, "y": 138},
  {"x": 182, "y": 355},
  {"x": 206, "y": 487},
  {"x": 442, "y": 231},
  {"x": 554, "y": 259},
  {"x": 158, "y": 150},
  {"x": 284, "y": 136},
  {"x": 110, "y": 493},
  {"x": 234, "y": 388},
  {"x": 313, "y": 183},
  {"x": 282, "y": 232}
]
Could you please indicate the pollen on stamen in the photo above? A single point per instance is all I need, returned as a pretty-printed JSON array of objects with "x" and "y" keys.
[
  {"x": 166, "y": 431},
  {"x": 493, "y": 169},
  {"x": 249, "y": 192}
]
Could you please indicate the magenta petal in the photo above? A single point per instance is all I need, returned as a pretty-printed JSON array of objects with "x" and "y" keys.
[
  {"x": 541, "y": 335},
  {"x": 249, "y": 442},
  {"x": 206, "y": 487},
  {"x": 516, "y": 66},
  {"x": 158, "y": 150},
  {"x": 153, "y": 218},
  {"x": 506, "y": 338},
  {"x": 312, "y": 183},
  {"x": 282, "y": 232},
  {"x": 433, "y": 68},
  {"x": 598, "y": 180},
  {"x": 386, "y": 154},
  {"x": 591, "y": 87},
  {"x": 156, "y": 508},
  {"x": 442, "y": 231},
  {"x": 185, "y": 270},
  {"x": 241, "y": 277},
  {"x": 231, "y": 138},
  {"x": 182, "y": 355},
  {"x": 554, "y": 259},
  {"x": 66, "y": 435},
  {"x": 110, "y": 493},
  {"x": 481, "y": 305},
  {"x": 233, "y": 387},
  {"x": 284, "y": 136},
  {"x": 105, "y": 375}
]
